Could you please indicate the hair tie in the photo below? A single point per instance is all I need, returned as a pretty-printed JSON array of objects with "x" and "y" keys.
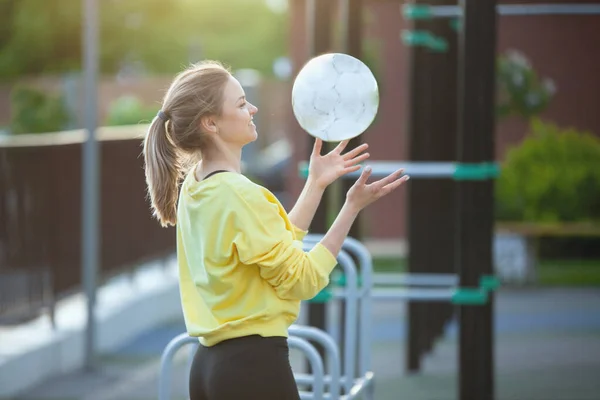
[{"x": 162, "y": 115}]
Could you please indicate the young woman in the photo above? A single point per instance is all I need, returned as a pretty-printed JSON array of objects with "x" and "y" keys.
[{"x": 242, "y": 270}]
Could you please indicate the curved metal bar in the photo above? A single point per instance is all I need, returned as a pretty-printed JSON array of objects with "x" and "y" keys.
[
  {"x": 164, "y": 377},
  {"x": 316, "y": 363},
  {"x": 365, "y": 325},
  {"x": 330, "y": 346},
  {"x": 350, "y": 327},
  {"x": 365, "y": 261}
]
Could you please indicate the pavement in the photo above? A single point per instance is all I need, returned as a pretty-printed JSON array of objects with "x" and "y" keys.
[{"x": 547, "y": 347}]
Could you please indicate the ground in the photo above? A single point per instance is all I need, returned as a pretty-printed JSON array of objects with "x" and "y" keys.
[{"x": 547, "y": 347}]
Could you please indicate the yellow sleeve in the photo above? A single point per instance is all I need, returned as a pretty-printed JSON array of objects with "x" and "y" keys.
[
  {"x": 262, "y": 238},
  {"x": 300, "y": 234}
]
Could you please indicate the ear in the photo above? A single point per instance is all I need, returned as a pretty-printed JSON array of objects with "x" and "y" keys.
[{"x": 208, "y": 124}]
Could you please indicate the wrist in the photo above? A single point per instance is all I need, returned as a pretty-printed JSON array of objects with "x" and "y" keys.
[
  {"x": 350, "y": 208},
  {"x": 314, "y": 184}
]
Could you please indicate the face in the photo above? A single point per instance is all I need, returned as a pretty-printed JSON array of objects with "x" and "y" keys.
[{"x": 235, "y": 125}]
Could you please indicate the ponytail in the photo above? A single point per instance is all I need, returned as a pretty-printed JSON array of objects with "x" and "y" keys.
[
  {"x": 163, "y": 171},
  {"x": 174, "y": 141}
]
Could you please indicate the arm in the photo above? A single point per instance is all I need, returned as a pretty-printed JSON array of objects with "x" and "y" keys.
[
  {"x": 305, "y": 208},
  {"x": 335, "y": 236},
  {"x": 324, "y": 170},
  {"x": 262, "y": 238}
]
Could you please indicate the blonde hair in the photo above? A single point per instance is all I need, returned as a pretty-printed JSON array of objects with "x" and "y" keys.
[{"x": 174, "y": 139}]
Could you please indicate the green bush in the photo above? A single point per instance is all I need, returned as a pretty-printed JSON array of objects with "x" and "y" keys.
[
  {"x": 553, "y": 176},
  {"x": 33, "y": 111},
  {"x": 128, "y": 110}
]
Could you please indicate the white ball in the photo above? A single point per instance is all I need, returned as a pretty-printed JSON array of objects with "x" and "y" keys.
[{"x": 335, "y": 97}]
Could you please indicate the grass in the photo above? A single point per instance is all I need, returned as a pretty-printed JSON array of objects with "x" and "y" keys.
[
  {"x": 569, "y": 273},
  {"x": 550, "y": 272},
  {"x": 391, "y": 264}
]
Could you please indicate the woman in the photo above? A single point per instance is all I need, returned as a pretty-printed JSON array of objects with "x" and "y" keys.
[{"x": 242, "y": 270}]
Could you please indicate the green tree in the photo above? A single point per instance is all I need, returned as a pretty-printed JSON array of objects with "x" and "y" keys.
[
  {"x": 34, "y": 111},
  {"x": 39, "y": 37}
]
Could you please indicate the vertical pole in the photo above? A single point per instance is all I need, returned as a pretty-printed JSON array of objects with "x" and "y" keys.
[
  {"x": 431, "y": 125},
  {"x": 352, "y": 29},
  {"x": 90, "y": 174},
  {"x": 319, "y": 13},
  {"x": 418, "y": 128},
  {"x": 475, "y": 198},
  {"x": 352, "y": 12}
]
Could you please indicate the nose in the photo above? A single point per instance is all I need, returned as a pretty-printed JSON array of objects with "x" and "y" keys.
[{"x": 253, "y": 109}]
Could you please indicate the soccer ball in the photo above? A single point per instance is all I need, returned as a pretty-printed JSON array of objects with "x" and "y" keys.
[{"x": 335, "y": 97}]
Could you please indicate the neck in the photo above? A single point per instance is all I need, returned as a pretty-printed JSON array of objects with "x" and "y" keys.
[{"x": 221, "y": 156}]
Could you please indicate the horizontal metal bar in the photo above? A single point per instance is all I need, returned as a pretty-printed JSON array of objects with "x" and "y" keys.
[
  {"x": 415, "y": 279},
  {"x": 524, "y": 9},
  {"x": 381, "y": 169},
  {"x": 307, "y": 379},
  {"x": 358, "y": 385},
  {"x": 420, "y": 294}
]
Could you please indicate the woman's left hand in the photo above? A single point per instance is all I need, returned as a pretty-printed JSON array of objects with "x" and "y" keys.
[{"x": 323, "y": 170}]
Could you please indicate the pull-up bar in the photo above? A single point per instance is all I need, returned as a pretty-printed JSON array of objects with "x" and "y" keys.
[{"x": 424, "y": 11}]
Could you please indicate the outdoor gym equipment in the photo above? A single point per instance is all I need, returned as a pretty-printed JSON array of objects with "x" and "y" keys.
[
  {"x": 316, "y": 363},
  {"x": 425, "y": 11},
  {"x": 423, "y": 287},
  {"x": 424, "y": 38},
  {"x": 357, "y": 294},
  {"x": 425, "y": 170}
]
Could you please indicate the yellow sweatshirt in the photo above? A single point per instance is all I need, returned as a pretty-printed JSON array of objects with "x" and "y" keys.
[{"x": 242, "y": 270}]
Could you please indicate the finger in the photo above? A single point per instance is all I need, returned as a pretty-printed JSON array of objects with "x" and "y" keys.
[
  {"x": 364, "y": 176},
  {"x": 317, "y": 146},
  {"x": 388, "y": 179},
  {"x": 340, "y": 147},
  {"x": 354, "y": 152},
  {"x": 357, "y": 160},
  {"x": 353, "y": 168},
  {"x": 390, "y": 187}
]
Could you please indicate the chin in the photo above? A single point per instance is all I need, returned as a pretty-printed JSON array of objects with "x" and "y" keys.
[{"x": 254, "y": 136}]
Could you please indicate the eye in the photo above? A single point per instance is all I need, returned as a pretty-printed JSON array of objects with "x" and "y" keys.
[{"x": 243, "y": 105}]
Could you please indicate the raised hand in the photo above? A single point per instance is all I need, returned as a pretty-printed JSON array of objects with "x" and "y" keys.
[
  {"x": 362, "y": 194},
  {"x": 323, "y": 170}
]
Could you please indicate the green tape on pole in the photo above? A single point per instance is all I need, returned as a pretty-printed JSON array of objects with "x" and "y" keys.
[
  {"x": 340, "y": 280},
  {"x": 416, "y": 38},
  {"x": 455, "y": 24},
  {"x": 466, "y": 296},
  {"x": 324, "y": 296},
  {"x": 424, "y": 39},
  {"x": 303, "y": 169},
  {"x": 417, "y": 11},
  {"x": 438, "y": 44},
  {"x": 489, "y": 282},
  {"x": 474, "y": 172}
]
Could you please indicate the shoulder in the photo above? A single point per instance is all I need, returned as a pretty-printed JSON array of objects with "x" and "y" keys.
[
  {"x": 221, "y": 184},
  {"x": 239, "y": 189}
]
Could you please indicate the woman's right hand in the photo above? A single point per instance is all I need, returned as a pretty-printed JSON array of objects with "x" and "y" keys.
[{"x": 362, "y": 194}]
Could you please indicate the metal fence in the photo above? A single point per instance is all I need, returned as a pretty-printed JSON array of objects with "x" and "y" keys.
[{"x": 40, "y": 216}]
